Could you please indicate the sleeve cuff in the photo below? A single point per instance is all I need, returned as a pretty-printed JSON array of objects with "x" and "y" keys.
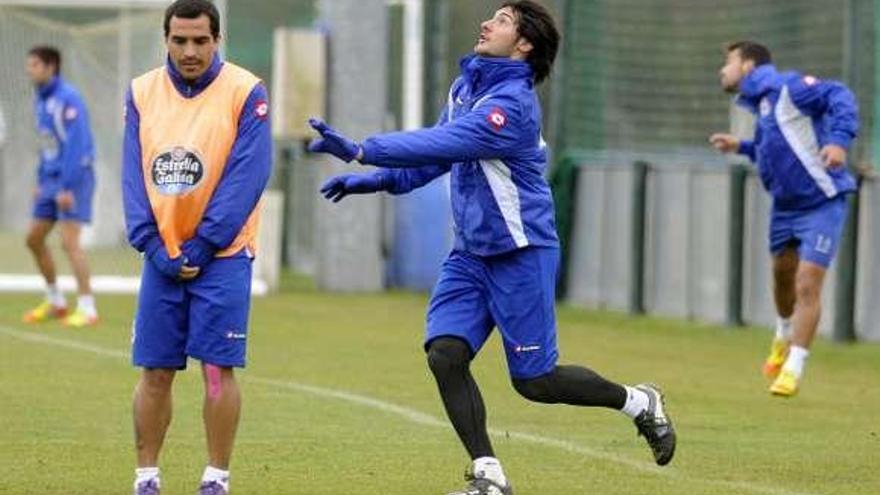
[
  {"x": 205, "y": 244},
  {"x": 371, "y": 152},
  {"x": 152, "y": 245},
  {"x": 841, "y": 139},
  {"x": 381, "y": 180}
]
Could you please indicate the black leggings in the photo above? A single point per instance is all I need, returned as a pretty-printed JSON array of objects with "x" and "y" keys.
[{"x": 450, "y": 358}]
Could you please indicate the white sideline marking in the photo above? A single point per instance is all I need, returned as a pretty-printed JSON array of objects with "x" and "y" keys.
[
  {"x": 101, "y": 284},
  {"x": 418, "y": 417}
]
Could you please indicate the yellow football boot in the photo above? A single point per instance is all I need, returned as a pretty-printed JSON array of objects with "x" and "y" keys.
[
  {"x": 45, "y": 311},
  {"x": 778, "y": 354},
  {"x": 785, "y": 385},
  {"x": 79, "y": 319}
]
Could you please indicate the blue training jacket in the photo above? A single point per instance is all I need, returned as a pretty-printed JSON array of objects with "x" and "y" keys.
[
  {"x": 66, "y": 144},
  {"x": 489, "y": 139},
  {"x": 796, "y": 116}
]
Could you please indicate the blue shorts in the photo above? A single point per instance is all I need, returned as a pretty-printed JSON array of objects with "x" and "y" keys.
[
  {"x": 45, "y": 207},
  {"x": 816, "y": 232},
  {"x": 513, "y": 291},
  {"x": 205, "y": 319}
]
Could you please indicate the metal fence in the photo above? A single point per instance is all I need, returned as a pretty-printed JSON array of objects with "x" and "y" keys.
[
  {"x": 691, "y": 242},
  {"x": 867, "y": 314},
  {"x": 603, "y": 263}
]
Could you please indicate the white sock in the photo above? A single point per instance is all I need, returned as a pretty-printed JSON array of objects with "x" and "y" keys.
[
  {"x": 491, "y": 469},
  {"x": 146, "y": 474},
  {"x": 55, "y": 296},
  {"x": 220, "y": 476},
  {"x": 797, "y": 357},
  {"x": 783, "y": 328},
  {"x": 636, "y": 402},
  {"x": 86, "y": 304}
]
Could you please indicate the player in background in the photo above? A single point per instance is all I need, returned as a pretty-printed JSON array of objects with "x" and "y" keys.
[
  {"x": 197, "y": 157},
  {"x": 65, "y": 186},
  {"x": 502, "y": 270},
  {"x": 804, "y": 128}
]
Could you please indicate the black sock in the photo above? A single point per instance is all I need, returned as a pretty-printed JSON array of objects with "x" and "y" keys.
[
  {"x": 449, "y": 359},
  {"x": 573, "y": 385}
]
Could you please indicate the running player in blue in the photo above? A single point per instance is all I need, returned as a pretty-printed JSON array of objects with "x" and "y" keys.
[
  {"x": 65, "y": 186},
  {"x": 804, "y": 128},
  {"x": 502, "y": 270}
]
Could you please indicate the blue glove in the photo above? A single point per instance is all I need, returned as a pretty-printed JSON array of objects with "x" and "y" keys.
[
  {"x": 333, "y": 142},
  {"x": 198, "y": 252},
  {"x": 158, "y": 256},
  {"x": 341, "y": 186}
]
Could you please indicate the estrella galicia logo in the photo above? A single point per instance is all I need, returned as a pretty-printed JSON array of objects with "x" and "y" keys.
[{"x": 177, "y": 171}]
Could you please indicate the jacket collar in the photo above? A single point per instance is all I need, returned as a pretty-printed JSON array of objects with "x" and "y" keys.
[
  {"x": 189, "y": 89},
  {"x": 756, "y": 84},
  {"x": 46, "y": 90},
  {"x": 483, "y": 72}
]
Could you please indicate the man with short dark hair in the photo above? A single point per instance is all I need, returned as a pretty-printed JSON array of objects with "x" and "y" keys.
[
  {"x": 502, "y": 270},
  {"x": 804, "y": 127},
  {"x": 65, "y": 186},
  {"x": 197, "y": 156}
]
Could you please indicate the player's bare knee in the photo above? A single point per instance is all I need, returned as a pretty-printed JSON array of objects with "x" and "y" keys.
[
  {"x": 448, "y": 354},
  {"x": 785, "y": 265},
  {"x": 217, "y": 380},
  {"x": 35, "y": 242},
  {"x": 70, "y": 246},
  {"x": 157, "y": 381},
  {"x": 808, "y": 291}
]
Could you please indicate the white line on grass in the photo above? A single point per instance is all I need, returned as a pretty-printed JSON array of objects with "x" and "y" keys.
[{"x": 421, "y": 418}]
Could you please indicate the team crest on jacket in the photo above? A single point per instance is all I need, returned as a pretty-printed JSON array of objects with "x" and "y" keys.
[
  {"x": 70, "y": 113},
  {"x": 497, "y": 118},
  {"x": 261, "y": 109},
  {"x": 177, "y": 171}
]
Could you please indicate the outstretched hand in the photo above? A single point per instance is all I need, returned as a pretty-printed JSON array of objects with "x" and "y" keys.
[
  {"x": 725, "y": 143},
  {"x": 333, "y": 142},
  {"x": 341, "y": 186}
]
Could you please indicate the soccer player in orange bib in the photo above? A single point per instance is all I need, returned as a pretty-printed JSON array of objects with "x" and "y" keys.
[{"x": 197, "y": 157}]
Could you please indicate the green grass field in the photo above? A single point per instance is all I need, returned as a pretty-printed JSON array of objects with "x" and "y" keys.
[
  {"x": 338, "y": 400},
  {"x": 114, "y": 259}
]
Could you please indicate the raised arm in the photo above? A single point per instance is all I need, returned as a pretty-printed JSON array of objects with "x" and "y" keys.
[{"x": 494, "y": 129}]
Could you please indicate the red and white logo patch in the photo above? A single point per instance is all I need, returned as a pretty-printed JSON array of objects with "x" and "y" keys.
[
  {"x": 810, "y": 80},
  {"x": 70, "y": 113},
  {"x": 261, "y": 110},
  {"x": 497, "y": 118}
]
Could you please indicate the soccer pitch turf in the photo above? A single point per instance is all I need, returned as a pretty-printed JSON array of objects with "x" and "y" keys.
[{"x": 338, "y": 400}]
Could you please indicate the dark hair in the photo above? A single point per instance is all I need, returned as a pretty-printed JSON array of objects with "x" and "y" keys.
[
  {"x": 749, "y": 50},
  {"x": 49, "y": 55},
  {"x": 535, "y": 24},
  {"x": 193, "y": 9}
]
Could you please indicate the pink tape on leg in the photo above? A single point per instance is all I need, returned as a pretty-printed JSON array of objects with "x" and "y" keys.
[{"x": 215, "y": 388}]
